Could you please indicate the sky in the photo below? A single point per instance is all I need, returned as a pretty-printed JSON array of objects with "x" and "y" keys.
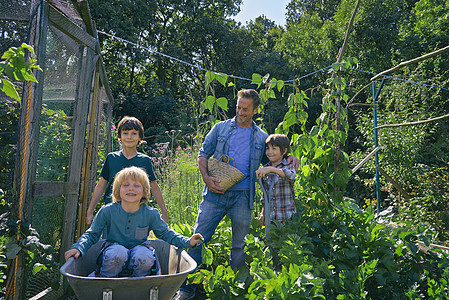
[{"x": 272, "y": 9}]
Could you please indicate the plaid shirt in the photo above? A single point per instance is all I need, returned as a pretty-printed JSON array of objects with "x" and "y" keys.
[{"x": 282, "y": 195}]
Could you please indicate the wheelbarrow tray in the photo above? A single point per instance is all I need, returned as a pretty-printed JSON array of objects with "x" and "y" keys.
[{"x": 175, "y": 265}]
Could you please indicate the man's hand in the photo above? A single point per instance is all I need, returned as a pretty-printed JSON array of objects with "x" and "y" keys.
[
  {"x": 208, "y": 180},
  {"x": 294, "y": 161},
  {"x": 211, "y": 185},
  {"x": 72, "y": 252}
]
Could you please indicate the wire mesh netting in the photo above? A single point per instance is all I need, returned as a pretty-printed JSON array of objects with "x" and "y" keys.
[
  {"x": 14, "y": 21},
  {"x": 61, "y": 78},
  {"x": 15, "y": 9},
  {"x": 60, "y": 73}
]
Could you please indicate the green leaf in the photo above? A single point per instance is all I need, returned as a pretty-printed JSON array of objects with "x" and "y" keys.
[
  {"x": 222, "y": 78},
  {"x": 210, "y": 76},
  {"x": 280, "y": 85},
  {"x": 264, "y": 95},
  {"x": 207, "y": 255},
  {"x": 302, "y": 116},
  {"x": 299, "y": 97},
  {"x": 306, "y": 170},
  {"x": 209, "y": 103},
  {"x": 318, "y": 153},
  {"x": 256, "y": 79},
  {"x": 12, "y": 250},
  {"x": 26, "y": 46},
  {"x": 8, "y": 88},
  {"x": 28, "y": 75},
  {"x": 336, "y": 66},
  {"x": 38, "y": 267},
  {"x": 9, "y": 71},
  {"x": 341, "y": 180},
  {"x": 290, "y": 119},
  {"x": 9, "y": 53},
  {"x": 223, "y": 103}
]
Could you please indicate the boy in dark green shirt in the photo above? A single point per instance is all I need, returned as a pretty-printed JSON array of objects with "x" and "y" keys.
[{"x": 130, "y": 135}]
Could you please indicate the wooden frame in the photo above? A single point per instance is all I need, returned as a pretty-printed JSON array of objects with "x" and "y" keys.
[{"x": 88, "y": 111}]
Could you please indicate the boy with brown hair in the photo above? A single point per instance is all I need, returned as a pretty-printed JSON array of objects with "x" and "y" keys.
[
  {"x": 130, "y": 135},
  {"x": 282, "y": 195}
]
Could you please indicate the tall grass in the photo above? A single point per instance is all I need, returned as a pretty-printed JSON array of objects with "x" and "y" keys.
[{"x": 178, "y": 176}]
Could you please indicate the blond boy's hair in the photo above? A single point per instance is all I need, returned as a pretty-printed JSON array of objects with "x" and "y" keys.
[{"x": 135, "y": 173}]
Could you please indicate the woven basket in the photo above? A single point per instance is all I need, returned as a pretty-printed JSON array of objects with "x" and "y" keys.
[{"x": 222, "y": 170}]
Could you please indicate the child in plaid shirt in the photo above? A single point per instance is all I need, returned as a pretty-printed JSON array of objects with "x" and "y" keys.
[{"x": 282, "y": 195}]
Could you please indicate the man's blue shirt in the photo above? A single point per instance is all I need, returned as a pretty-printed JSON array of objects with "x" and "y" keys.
[{"x": 216, "y": 144}]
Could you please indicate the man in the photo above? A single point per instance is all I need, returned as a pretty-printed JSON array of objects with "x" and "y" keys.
[{"x": 241, "y": 139}]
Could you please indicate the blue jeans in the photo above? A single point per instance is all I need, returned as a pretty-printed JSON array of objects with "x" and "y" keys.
[
  {"x": 236, "y": 205},
  {"x": 117, "y": 258}
]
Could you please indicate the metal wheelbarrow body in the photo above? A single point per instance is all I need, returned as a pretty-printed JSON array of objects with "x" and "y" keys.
[{"x": 175, "y": 264}]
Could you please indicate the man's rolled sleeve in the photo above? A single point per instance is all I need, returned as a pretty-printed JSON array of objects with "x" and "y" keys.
[{"x": 210, "y": 143}]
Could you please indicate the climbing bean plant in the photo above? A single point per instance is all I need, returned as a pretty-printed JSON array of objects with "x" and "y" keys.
[
  {"x": 319, "y": 180},
  {"x": 331, "y": 249}
]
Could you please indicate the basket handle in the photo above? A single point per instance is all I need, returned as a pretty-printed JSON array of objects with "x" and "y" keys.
[{"x": 226, "y": 159}]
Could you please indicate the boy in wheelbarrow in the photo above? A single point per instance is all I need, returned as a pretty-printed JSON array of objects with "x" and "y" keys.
[
  {"x": 278, "y": 180},
  {"x": 127, "y": 220}
]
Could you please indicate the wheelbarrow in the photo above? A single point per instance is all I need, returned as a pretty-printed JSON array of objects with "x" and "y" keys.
[{"x": 175, "y": 264}]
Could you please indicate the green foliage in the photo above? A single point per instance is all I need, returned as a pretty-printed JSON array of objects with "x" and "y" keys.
[
  {"x": 19, "y": 237},
  {"x": 431, "y": 206},
  {"x": 338, "y": 253},
  {"x": 16, "y": 68},
  {"x": 216, "y": 106},
  {"x": 54, "y": 150},
  {"x": 175, "y": 167},
  {"x": 319, "y": 179},
  {"x": 13, "y": 67},
  {"x": 9, "y": 118}
]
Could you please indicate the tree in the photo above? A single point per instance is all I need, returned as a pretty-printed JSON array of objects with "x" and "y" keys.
[{"x": 197, "y": 32}]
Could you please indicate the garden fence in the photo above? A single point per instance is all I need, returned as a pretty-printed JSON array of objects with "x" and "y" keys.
[{"x": 64, "y": 129}]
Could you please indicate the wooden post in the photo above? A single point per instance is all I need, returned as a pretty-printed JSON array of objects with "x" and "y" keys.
[
  {"x": 394, "y": 183},
  {"x": 79, "y": 125},
  {"x": 27, "y": 150},
  {"x": 108, "y": 126},
  {"x": 87, "y": 158},
  {"x": 96, "y": 142}
]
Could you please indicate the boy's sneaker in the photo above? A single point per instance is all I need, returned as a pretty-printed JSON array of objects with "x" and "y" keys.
[{"x": 180, "y": 295}]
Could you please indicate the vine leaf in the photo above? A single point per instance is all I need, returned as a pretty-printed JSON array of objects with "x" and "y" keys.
[
  {"x": 207, "y": 255},
  {"x": 256, "y": 79},
  {"x": 12, "y": 250},
  {"x": 8, "y": 88},
  {"x": 209, "y": 103},
  {"x": 222, "y": 102}
]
